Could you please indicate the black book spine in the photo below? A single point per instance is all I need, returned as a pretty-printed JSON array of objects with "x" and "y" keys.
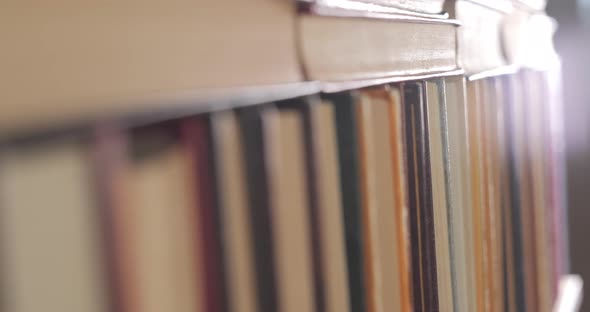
[
  {"x": 259, "y": 202},
  {"x": 346, "y": 129},
  {"x": 420, "y": 198}
]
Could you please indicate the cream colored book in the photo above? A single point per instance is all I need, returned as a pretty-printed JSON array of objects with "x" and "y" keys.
[
  {"x": 495, "y": 226},
  {"x": 330, "y": 213},
  {"x": 485, "y": 194},
  {"x": 484, "y": 159},
  {"x": 380, "y": 205},
  {"x": 336, "y": 48},
  {"x": 434, "y": 98},
  {"x": 67, "y": 60},
  {"x": 537, "y": 151},
  {"x": 477, "y": 198},
  {"x": 233, "y": 205},
  {"x": 480, "y": 41},
  {"x": 283, "y": 131},
  {"x": 460, "y": 194},
  {"x": 52, "y": 254},
  {"x": 165, "y": 262}
]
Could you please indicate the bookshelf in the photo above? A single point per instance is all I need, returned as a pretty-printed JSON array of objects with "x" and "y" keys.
[{"x": 276, "y": 128}]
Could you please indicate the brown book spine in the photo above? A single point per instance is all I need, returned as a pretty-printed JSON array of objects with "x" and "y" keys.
[
  {"x": 112, "y": 149},
  {"x": 109, "y": 154},
  {"x": 401, "y": 196}
]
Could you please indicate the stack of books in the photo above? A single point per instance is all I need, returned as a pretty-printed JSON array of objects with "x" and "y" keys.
[{"x": 278, "y": 155}]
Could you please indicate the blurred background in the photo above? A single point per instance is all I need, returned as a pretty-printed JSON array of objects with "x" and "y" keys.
[{"x": 572, "y": 42}]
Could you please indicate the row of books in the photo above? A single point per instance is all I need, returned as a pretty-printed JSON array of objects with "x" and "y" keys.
[{"x": 432, "y": 195}]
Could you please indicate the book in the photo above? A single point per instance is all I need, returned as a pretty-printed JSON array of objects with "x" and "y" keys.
[
  {"x": 459, "y": 193},
  {"x": 540, "y": 190},
  {"x": 283, "y": 131},
  {"x": 498, "y": 125},
  {"x": 331, "y": 288},
  {"x": 110, "y": 157},
  {"x": 196, "y": 136},
  {"x": 238, "y": 232},
  {"x": 158, "y": 225},
  {"x": 493, "y": 217},
  {"x": 512, "y": 97},
  {"x": 384, "y": 270},
  {"x": 504, "y": 197},
  {"x": 338, "y": 49},
  {"x": 257, "y": 182},
  {"x": 400, "y": 183},
  {"x": 440, "y": 203},
  {"x": 113, "y": 54},
  {"x": 348, "y": 159},
  {"x": 422, "y": 231},
  {"x": 486, "y": 182},
  {"x": 479, "y": 42},
  {"x": 476, "y": 179},
  {"x": 524, "y": 178},
  {"x": 52, "y": 249},
  {"x": 303, "y": 108},
  {"x": 554, "y": 164},
  {"x": 330, "y": 214}
]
